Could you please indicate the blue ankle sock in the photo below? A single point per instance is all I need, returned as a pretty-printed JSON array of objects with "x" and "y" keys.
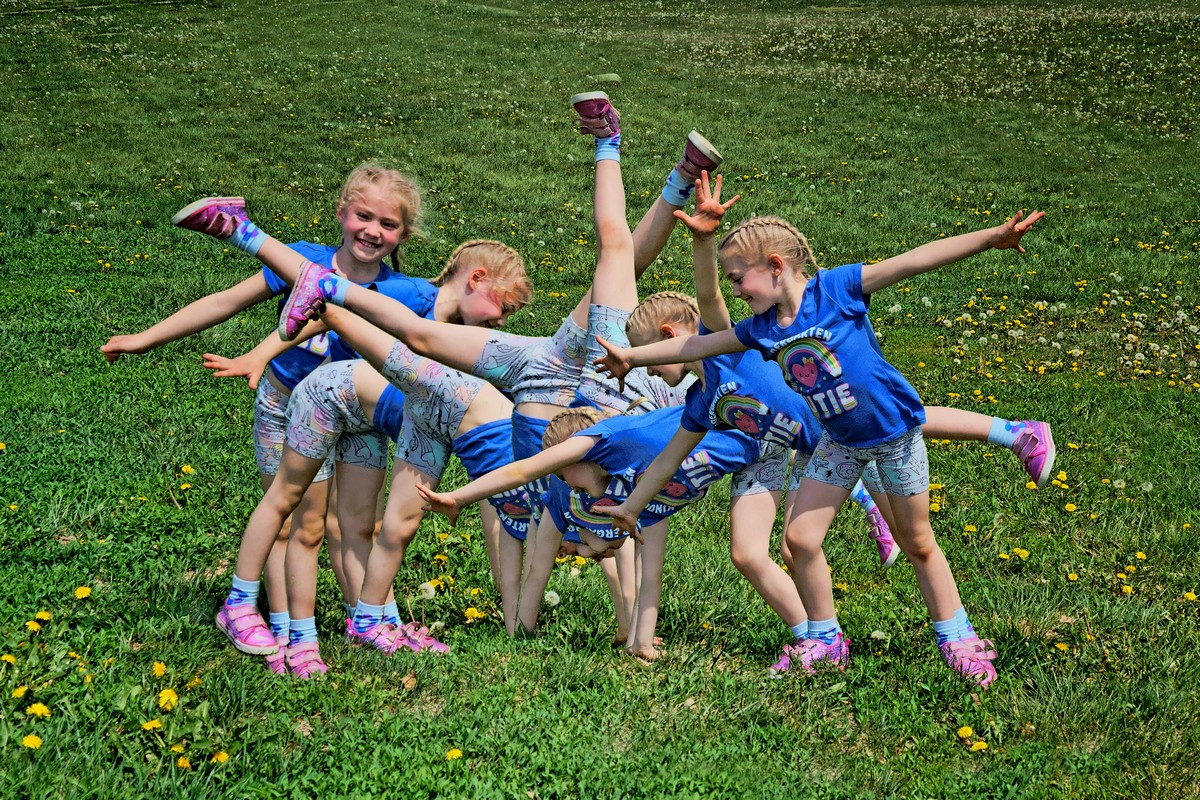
[
  {"x": 965, "y": 629},
  {"x": 367, "y": 616},
  {"x": 946, "y": 630},
  {"x": 862, "y": 497},
  {"x": 1004, "y": 432},
  {"x": 302, "y": 630},
  {"x": 333, "y": 288},
  {"x": 280, "y": 623},
  {"x": 348, "y": 609},
  {"x": 800, "y": 631},
  {"x": 825, "y": 630},
  {"x": 391, "y": 613},
  {"x": 608, "y": 148},
  {"x": 247, "y": 237},
  {"x": 678, "y": 189},
  {"x": 243, "y": 593}
]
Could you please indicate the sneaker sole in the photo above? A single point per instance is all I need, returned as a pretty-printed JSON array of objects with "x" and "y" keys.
[
  {"x": 585, "y": 96},
  {"x": 891, "y": 559},
  {"x": 248, "y": 649},
  {"x": 705, "y": 147},
  {"x": 1048, "y": 467},
  {"x": 192, "y": 208}
]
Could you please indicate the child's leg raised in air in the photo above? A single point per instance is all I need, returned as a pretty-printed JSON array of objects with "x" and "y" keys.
[{"x": 1029, "y": 440}]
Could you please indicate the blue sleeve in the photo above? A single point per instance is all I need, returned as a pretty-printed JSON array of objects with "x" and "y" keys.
[
  {"x": 843, "y": 285},
  {"x": 695, "y": 410},
  {"x": 744, "y": 331}
]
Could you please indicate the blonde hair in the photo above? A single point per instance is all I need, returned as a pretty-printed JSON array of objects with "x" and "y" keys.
[
  {"x": 661, "y": 308},
  {"x": 505, "y": 268},
  {"x": 402, "y": 189},
  {"x": 762, "y": 236},
  {"x": 567, "y": 423}
]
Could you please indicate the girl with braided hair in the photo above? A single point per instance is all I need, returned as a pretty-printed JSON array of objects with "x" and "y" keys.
[{"x": 817, "y": 331}]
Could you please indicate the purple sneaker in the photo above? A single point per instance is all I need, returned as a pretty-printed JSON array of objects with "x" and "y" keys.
[
  {"x": 385, "y": 637},
  {"x": 971, "y": 658},
  {"x": 246, "y": 628},
  {"x": 420, "y": 635},
  {"x": 304, "y": 661},
  {"x": 597, "y": 117},
  {"x": 1035, "y": 448},
  {"x": 277, "y": 661},
  {"x": 785, "y": 659},
  {"x": 305, "y": 301},
  {"x": 215, "y": 216},
  {"x": 698, "y": 156},
  {"x": 881, "y": 534}
]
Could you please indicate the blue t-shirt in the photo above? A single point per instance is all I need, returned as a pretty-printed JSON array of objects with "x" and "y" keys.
[
  {"x": 292, "y": 367},
  {"x": 829, "y": 355},
  {"x": 625, "y": 448},
  {"x": 389, "y": 412},
  {"x": 742, "y": 392}
]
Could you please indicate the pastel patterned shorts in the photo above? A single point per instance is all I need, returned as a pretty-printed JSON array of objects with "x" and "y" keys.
[
  {"x": 270, "y": 430},
  {"x": 903, "y": 464},
  {"x": 326, "y": 416}
]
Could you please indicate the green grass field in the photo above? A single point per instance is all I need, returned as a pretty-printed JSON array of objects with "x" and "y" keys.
[{"x": 874, "y": 127}]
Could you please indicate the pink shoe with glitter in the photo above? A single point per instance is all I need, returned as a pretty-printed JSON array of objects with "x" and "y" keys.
[
  {"x": 698, "y": 156},
  {"x": 971, "y": 658},
  {"x": 420, "y": 635},
  {"x": 304, "y": 661},
  {"x": 277, "y": 661},
  {"x": 597, "y": 117},
  {"x": 305, "y": 301},
  {"x": 215, "y": 216},
  {"x": 384, "y": 637},
  {"x": 881, "y": 534},
  {"x": 246, "y": 628}
]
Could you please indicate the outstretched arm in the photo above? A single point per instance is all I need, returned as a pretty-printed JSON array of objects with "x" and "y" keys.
[
  {"x": 677, "y": 350},
  {"x": 192, "y": 318},
  {"x": 930, "y": 256},
  {"x": 253, "y": 363},
  {"x": 507, "y": 477},
  {"x": 652, "y": 481},
  {"x": 704, "y": 224}
]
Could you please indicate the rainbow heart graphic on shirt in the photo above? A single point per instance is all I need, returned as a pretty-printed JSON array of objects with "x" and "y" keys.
[
  {"x": 804, "y": 360},
  {"x": 742, "y": 413}
]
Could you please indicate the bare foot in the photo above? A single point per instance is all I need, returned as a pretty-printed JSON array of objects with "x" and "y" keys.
[{"x": 646, "y": 654}]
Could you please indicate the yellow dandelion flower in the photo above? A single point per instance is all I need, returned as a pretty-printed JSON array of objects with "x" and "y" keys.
[
  {"x": 33, "y": 625},
  {"x": 3, "y": 445},
  {"x": 19, "y": 692},
  {"x": 965, "y": 732},
  {"x": 167, "y": 699},
  {"x": 38, "y": 710},
  {"x": 1127, "y": 589},
  {"x": 186, "y": 469},
  {"x": 32, "y": 741},
  {"x": 1122, "y": 575},
  {"x": 475, "y": 592},
  {"x": 453, "y": 753},
  {"x": 177, "y": 748},
  {"x": 1003, "y": 556},
  {"x": 185, "y": 486},
  {"x": 159, "y": 669},
  {"x": 979, "y": 746},
  {"x": 841, "y": 587},
  {"x": 1062, "y": 476},
  {"x": 219, "y": 757},
  {"x": 969, "y": 529},
  {"x": 1189, "y": 596},
  {"x": 1031, "y": 486},
  {"x": 1021, "y": 552},
  {"x": 183, "y": 763},
  {"x": 193, "y": 683},
  {"x": 9, "y": 658},
  {"x": 44, "y": 616},
  {"x": 1130, "y": 568},
  {"x": 152, "y": 725},
  {"x": 1063, "y": 646},
  {"x": 441, "y": 558},
  {"x": 1139, "y": 555},
  {"x": 1072, "y": 576},
  {"x": 473, "y": 614},
  {"x": 1070, "y": 507},
  {"x": 579, "y": 561},
  {"x": 935, "y": 507}
]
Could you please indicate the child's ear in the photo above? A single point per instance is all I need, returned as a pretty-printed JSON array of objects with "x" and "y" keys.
[
  {"x": 667, "y": 331},
  {"x": 477, "y": 277},
  {"x": 776, "y": 264}
]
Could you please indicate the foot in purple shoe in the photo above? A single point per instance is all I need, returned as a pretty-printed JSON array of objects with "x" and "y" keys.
[
  {"x": 215, "y": 216},
  {"x": 420, "y": 635},
  {"x": 385, "y": 637},
  {"x": 785, "y": 659},
  {"x": 305, "y": 301},
  {"x": 881, "y": 534},
  {"x": 246, "y": 628},
  {"x": 972, "y": 659},
  {"x": 698, "y": 156},
  {"x": 1035, "y": 447},
  {"x": 277, "y": 661},
  {"x": 812, "y": 654},
  {"x": 597, "y": 117},
  {"x": 304, "y": 661}
]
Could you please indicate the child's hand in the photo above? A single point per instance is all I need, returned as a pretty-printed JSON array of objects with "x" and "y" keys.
[
  {"x": 622, "y": 520},
  {"x": 440, "y": 503},
  {"x": 118, "y": 346},
  {"x": 709, "y": 209},
  {"x": 244, "y": 366},
  {"x": 1009, "y": 234},
  {"x": 616, "y": 363}
]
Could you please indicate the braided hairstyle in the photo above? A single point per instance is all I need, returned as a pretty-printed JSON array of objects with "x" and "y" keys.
[
  {"x": 504, "y": 266},
  {"x": 403, "y": 190},
  {"x": 567, "y": 423},
  {"x": 762, "y": 236},
  {"x": 660, "y": 309}
]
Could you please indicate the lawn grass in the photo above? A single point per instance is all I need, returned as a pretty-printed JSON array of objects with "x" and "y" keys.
[{"x": 874, "y": 127}]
